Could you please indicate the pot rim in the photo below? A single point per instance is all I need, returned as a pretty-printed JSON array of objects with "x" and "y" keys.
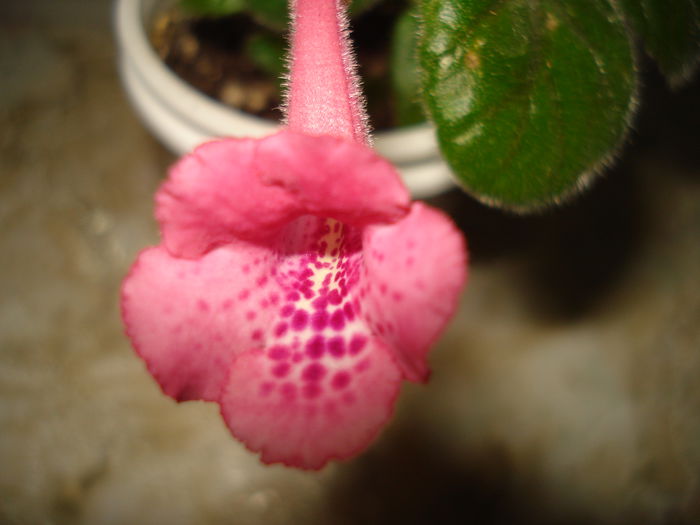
[{"x": 404, "y": 145}]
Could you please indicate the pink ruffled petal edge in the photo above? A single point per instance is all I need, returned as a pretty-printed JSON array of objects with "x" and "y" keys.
[
  {"x": 188, "y": 319},
  {"x": 417, "y": 268},
  {"x": 248, "y": 189},
  {"x": 304, "y": 416}
]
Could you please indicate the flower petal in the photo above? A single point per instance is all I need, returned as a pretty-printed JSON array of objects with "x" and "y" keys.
[
  {"x": 248, "y": 189},
  {"x": 416, "y": 269},
  {"x": 306, "y": 412},
  {"x": 214, "y": 195},
  {"x": 189, "y": 318},
  {"x": 333, "y": 177}
]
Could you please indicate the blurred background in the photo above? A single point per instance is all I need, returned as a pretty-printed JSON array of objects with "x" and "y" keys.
[{"x": 565, "y": 391}]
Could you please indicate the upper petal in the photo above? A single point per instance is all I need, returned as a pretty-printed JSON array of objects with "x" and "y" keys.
[
  {"x": 215, "y": 195},
  {"x": 414, "y": 272},
  {"x": 249, "y": 189},
  {"x": 333, "y": 177}
]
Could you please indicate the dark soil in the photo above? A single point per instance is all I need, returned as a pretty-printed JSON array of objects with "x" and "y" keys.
[{"x": 210, "y": 54}]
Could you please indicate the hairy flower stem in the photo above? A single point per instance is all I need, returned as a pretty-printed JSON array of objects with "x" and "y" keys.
[{"x": 324, "y": 96}]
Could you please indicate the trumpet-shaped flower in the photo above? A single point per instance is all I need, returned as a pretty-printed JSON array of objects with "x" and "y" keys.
[{"x": 296, "y": 285}]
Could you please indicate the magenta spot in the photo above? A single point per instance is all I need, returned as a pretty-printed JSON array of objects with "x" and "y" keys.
[
  {"x": 281, "y": 370},
  {"x": 274, "y": 299},
  {"x": 313, "y": 372},
  {"x": 246, "y": 268},
  {"x": 279, "y": 352},
  {"x": 356, "y": 306},
  {"x": 262, "y": 281},
  {"x": 243, "y": 295},
  {"x": 289, "y": 391},
  {"x": 227, "y": 304},
  {"x": 264, "y": 304},
  {"x": 382, "y": 289},
  {"x": 397, "y": 296},
  {"x": 320, "y": 303},
  {"x": 349, "y": 312},
  {"x": 297, "y": 357},
  {"x": 336, "y": 346},
  {"x": 409, "y": 261},
  {"x": 266, "y": 388},
  {"x": 337, "y": 320},
  {"x": 203, "y": 305},
  {"x": 256, "y": 335},
  {"x": 334, "y": 297},
  {"x": 287, "y": 310},
  {"x": 319, "y": 320},
  {"x": 250, "y": 315},
  {"x": 299, "y": 320},
  {"x": 316, "y": 347},
  {"x": 357, "y": 344},
  {"x": 362, "y": 365},
  {"x": 311, "y": 390},
  {"x": 341, "y": 380},
  {"x": 293, "y": 296},
  {"x": 281, "y": 329}
]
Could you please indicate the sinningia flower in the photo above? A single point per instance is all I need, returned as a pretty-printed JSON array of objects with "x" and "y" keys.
[{"x": 296, "y": 284}]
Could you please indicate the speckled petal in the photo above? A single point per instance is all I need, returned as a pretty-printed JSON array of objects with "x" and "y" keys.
[
  {"x": 307, "y": 412},
  {"x": 248, "y": 189},
  {"x": 188, "y": 318},
  {"x": 414, "y": 272}
]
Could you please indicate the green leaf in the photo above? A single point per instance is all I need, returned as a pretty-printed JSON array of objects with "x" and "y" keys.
[
  {"x": 270, "y": 13},
  {"x": 274, "y": 15},
  {"x": 671, "y": 33},
  {"x": 267, "y": 51},
  {"x": 404, "y": 70},
  {"x": 213, "y": 7},
  {"x": 530, "y": 98}
]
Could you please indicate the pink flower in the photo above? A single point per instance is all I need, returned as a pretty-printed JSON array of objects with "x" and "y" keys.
[{"x": 296, "y": 285}]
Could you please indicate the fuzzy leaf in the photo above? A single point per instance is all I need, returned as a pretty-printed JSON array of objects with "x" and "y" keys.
[
  {"x": 671, "y": 33},
  {"x": 530, "y": 98}
]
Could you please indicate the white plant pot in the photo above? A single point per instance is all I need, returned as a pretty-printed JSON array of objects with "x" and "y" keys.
[{"x": 182, "y": 117}]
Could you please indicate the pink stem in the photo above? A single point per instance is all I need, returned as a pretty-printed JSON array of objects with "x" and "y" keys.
[{"x": 324, "y": 96}]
